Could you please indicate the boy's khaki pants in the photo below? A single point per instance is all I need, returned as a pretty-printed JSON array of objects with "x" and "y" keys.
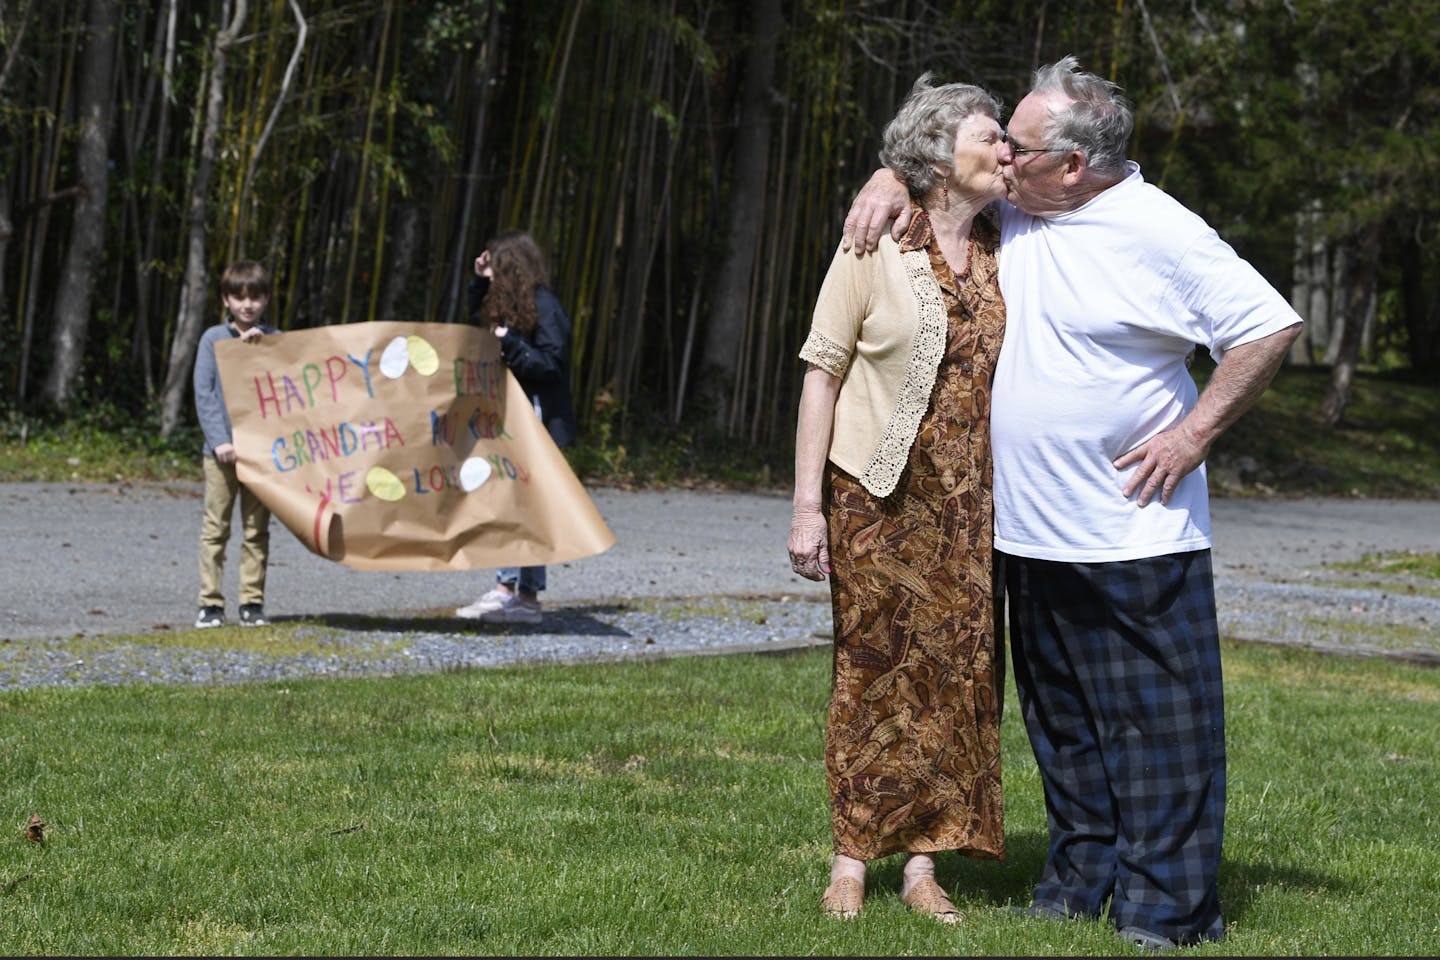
[{"x": 221, "y": 489}]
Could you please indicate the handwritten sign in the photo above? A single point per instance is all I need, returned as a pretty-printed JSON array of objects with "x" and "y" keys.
[{"x": 403, "y": 446}]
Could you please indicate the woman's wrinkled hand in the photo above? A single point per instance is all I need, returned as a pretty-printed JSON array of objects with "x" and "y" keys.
[{"x": 809, "y": 544}]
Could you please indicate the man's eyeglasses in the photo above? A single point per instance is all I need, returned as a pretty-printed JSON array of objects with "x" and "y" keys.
[{"x": 1020, "y": 151}]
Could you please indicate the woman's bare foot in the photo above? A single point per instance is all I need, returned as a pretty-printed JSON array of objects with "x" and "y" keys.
[
  {"x": 845, "y": 896},
  {"x": 923, "y": 894}
]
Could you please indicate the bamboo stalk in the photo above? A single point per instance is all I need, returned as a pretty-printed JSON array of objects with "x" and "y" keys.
[
  {"x": 47, "y": 167},
  {"x": 591, "y": 271},
  {"x": 302, "y": 29},
  {"x": 187, "y": 328},
  {"x": 542, "y": 180},
  {"x": 358, "y": 205},
  {"x": 378, "y": 263},
  {"x": 489, "y": 54}
]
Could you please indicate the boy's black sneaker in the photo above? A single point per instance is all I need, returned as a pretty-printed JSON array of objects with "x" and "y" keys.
[
  {"x": 210, "y": 617},
  {"x": 252, "y": 615}
]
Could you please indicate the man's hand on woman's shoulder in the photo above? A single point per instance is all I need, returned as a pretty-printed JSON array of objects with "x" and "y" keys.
[{"x": 883, "y": 200}]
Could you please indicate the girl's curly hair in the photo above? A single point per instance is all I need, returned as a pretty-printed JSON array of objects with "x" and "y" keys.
[{"x": 519, "y": 269}]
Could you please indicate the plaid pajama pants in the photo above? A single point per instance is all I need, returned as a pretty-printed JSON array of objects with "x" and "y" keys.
[{"x": 1118, "y": 670}]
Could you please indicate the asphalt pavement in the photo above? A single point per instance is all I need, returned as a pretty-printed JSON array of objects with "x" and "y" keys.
[{"x": 121, "y": 558}]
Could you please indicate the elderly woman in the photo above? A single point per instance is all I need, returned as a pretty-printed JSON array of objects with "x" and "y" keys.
[{"x": 892, "y": 502}]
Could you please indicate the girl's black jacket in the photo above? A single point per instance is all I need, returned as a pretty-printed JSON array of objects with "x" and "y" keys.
[{"x": 540, "y": 361}]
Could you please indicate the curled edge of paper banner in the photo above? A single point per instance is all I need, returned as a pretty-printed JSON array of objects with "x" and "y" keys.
[{"x": 328, "y": 535}]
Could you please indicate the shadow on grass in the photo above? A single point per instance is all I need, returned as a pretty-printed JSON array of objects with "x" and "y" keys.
[
  {"x": 974, "y": 880},
  {"x": 987, "y": 881},
  {"x": 1242, "y": 883},
  {"x": 581, "y": 621}
]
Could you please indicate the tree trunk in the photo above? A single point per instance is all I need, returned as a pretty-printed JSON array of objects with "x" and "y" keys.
[
  {"x": 1362, "y": 263},
  {"x": 195, "y": 295},
  {"x": 1427, "y": 357},
  {"x": 1422, "y": 312},
  {"x": 407, "y": 240},
  {"x": 1303, "y": 289},
  {"x": 730, "y": 296},
  {"x": 87, "y": 232},
  {"x": 7, "y": 230},
  {"x": 144, "y": 270},
  {"x": 7, "y": 226},
  {"x": 1321, "y": 318},
  {"x": 37, "y": 227},
  {"x": 1369, "y": 324}
]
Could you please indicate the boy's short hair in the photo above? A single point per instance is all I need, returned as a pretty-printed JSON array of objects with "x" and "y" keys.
[{"x": 245, "y": 278}]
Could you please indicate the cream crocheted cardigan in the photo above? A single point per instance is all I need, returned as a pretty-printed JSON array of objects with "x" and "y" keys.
[{"x": 879, "y": 326}]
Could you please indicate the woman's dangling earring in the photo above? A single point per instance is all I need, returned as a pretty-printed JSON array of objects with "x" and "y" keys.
[{"x": 945, "y": 193}]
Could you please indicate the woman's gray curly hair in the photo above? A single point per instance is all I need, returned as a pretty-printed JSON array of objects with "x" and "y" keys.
[
  {"x": 1098, "y": 121},
  {"x": 922, "y": 134}
]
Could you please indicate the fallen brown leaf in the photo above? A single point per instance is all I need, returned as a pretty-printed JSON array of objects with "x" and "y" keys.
[{"x": 35, "y": 832}]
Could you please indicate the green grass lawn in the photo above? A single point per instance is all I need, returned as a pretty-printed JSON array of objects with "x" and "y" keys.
[
  {"x": 1388, "y": 444},
  {"x": 674, "y": 807}
]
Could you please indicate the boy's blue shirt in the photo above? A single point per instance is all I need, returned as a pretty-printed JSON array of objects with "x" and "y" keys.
[{"x": 209, "y": 397}]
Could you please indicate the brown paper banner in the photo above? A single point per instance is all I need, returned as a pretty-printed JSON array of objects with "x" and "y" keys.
[{"x": 403, "y": 446}]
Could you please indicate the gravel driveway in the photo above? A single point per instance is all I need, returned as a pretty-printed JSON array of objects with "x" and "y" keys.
[{"x": 691, "y": 572}]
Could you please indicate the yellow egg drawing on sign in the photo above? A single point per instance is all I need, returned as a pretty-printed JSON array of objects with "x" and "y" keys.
[
  {"x": 422, "y": 355},
  {"x": 384, "y": 484}
]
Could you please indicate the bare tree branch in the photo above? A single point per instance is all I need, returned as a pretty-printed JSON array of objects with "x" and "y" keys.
[
  {"x": 1160, "y": 54},
  {"x": 12, "y": 51},
  {"x": 280, "y": 99}
]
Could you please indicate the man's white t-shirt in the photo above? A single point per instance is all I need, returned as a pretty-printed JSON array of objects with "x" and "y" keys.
[{"x": 1103, "y": 304}]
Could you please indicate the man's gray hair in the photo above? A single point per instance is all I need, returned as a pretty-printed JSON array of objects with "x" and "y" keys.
[
  {"x": 922, "y": 134},
  {"x": 1098, "y": 121}
]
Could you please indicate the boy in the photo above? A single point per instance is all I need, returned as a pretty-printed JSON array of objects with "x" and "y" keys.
[{"x": 245, "y": 290}]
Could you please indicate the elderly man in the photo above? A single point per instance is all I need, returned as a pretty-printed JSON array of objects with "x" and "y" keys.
[{"x": 1101, "y": 513}]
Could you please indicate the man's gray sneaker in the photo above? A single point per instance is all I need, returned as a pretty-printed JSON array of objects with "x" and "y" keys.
[
  {"x": 252, "y": 615},
  {"x": 1146, "y": 940},
  {"x": 1041, "y": 911}
]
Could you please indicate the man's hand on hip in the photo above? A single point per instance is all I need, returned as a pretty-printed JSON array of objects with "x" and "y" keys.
[{"x": 1163, "y": 461}]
